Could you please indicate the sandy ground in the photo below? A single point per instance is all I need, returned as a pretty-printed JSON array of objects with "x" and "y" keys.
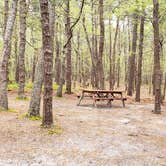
[{"x": 117, "y": 136}]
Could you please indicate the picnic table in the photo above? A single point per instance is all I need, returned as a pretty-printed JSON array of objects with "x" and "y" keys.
[{"x": 102, "y": 95}]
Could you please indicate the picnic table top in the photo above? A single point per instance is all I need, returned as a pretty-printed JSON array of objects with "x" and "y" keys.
[{"x": 101, "y": 91}]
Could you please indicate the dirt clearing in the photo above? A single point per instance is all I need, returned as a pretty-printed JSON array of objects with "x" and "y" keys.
[{"x": 131, "y": 136}]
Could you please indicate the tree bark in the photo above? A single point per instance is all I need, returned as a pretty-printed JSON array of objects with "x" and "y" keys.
[
  {"x": 118, "y": 60},
  {"x": 164, "y": 89},
  {"x": 68, "y": 48},
  {"x": 110, "y": 57},
  {"x": 6, "y": 54},
  {"x": 132, "y": 58},
  {"x": 139, "y": 71},
  {"x": 62, "y": 79},
  {"x": 114, "y": 54},
  {"x": 6, "y": 13},
  {"x": 47, "y": 120},
  {"x": 22, "y": 45},
  {"x": 101, "y": 46},
  {"x": 157, "y": 71},
  {"x": 34, "y": 108},
  {"x": 57, "y": 59}
]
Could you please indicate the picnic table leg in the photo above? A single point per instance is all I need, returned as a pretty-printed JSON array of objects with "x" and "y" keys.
[
  {"x": 81, "y": 97},
  {"x": 123, "y": 103},
  {"x": 94, "y": 103},
  {"x": 109, "y": 103}
]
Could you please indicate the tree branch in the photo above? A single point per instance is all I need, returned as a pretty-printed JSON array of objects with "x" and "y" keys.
[{"x": 74, "y": 24}]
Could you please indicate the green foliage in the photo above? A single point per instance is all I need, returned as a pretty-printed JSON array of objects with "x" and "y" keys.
[
  {"x": 22, "y": 98},
  {"x": 33, "y": 118},
  {"x": 9, "y": 110},
  {"x": 28, "y": 86},
  {"x": 13, "y": 86},
  {"x": 55, "y": 130}
]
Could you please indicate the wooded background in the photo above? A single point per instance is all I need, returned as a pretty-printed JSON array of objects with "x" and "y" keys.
[{"x": 100, "y": 44}]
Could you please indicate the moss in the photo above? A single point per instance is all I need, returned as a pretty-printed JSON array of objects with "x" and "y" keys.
[
  {"x": 28, "y": 85},
  {"x": 22, "y": 98},
  {"x": 9, "y": 110},
  {"x": 34, "y": 118},
  {"x": 13, "y": 86},
  {"x": 55, "y": 130}
]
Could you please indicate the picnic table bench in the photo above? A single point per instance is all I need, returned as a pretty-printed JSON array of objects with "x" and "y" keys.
[{"x": 102, "y": 95}]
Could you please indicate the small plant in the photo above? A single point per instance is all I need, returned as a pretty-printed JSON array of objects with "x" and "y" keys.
[
  {"x": 22, "y": 98},
  {"x": 34, "y": 118},
  {"x": 13, "y": 86},
  {"x": 55, "y": 130},
  {"x": 9, "y": 110},
  {"x": 28, "y": 85}
]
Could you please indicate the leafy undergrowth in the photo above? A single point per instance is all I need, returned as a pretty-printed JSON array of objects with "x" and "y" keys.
[
  {"x": 29, "y": 85},
  {"x": 33, "y": 118},
  {"x": 22, "y": 98},
  {"x": 55, "y": 130},
  {"x": 9, "y": 110}
]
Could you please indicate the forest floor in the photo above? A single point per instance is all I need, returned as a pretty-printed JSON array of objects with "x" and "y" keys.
[{"x": 117, "y": 136}]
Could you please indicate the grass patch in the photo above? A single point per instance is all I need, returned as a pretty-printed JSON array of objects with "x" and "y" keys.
[
  {"x": 55, "y": 130},
  {"x": 13, "y": 86},
  {"x": 28, "y": 86},
  {"x": 22, "y": 98},
  {"x": 9, "y": 110},
  {"x": 33, "y": 118}
]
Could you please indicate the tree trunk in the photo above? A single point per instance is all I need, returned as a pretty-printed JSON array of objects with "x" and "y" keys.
[
  {"x": 101, "y": 45},
  {"x": 47, "y": 120},
  {"x": 6, "y": 13},
  {"x": 57, "y": 59},
  {"x": 16, "y": 52},
  {"x": 139, "y": 72},
  {"x": 34, "y": 108},
  {"x": 110, "y": 58},
  {"x": 62, "y": 79},
  {"x": 93, "y": 59},
  {"x": 132, "y": 58},
  {"x": 68, "y": 49},
  {"x": 22, "y": 45},
  {"x": 5, "y": 56},
  {"x": 114, "y": 54},
  {"x": 157, "y": 71},
  {"x": 164, "y": 89},
  {"x": 118, "y": 60}
]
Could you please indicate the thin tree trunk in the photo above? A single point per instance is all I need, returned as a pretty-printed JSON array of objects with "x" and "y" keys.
[
  {"x": 139, "y": 72},
  {"x": 34, "y": 108},
  {"x": 164, "y": 89},
  {"x": 110, "y": 58},
  {"x": 6, "y": 13},
  {"x": 57, "y": 59},
  {"x": 157, "y": 71},
  {"x": 6, "y": 54},
  {"x": 16, "y": 53},
  {"x": 132, "y": 58},
  {"x": 118, "y": 60},
  {"x": 114, "y": 54},
  {"x": 22, "y": 45},
  {"x": 47, "y": 120},
  {"x": 62, "y": 79},
  {"x": 91, "y": 50},
  {"x": 101, "y": 46},
  {"x": 68, "y": 49}
]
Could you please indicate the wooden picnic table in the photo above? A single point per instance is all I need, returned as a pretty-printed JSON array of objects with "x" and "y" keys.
[{"x": 101, "y": 95}]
